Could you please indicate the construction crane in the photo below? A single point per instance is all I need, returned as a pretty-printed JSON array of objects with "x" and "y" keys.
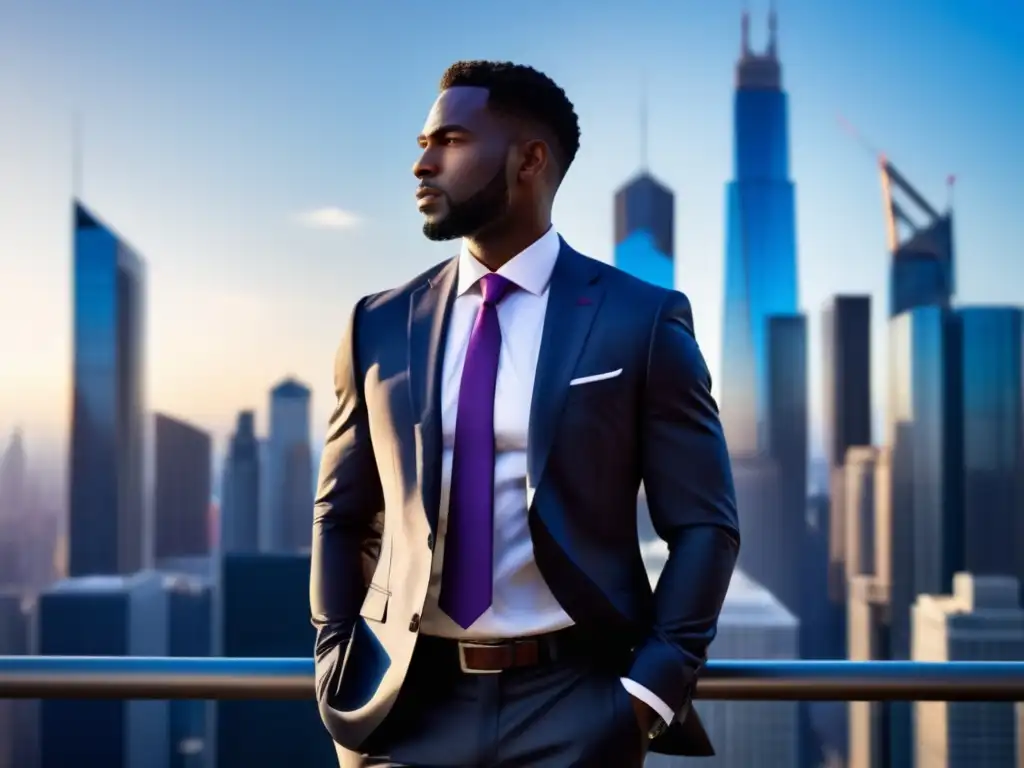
[{"x": 895, "y": 213}]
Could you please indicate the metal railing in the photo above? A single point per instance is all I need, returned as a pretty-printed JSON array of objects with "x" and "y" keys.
[{"x": 41, "y": 677}]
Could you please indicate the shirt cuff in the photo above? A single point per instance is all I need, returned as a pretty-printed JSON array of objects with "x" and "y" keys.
[{"x": 636, "y": 690}]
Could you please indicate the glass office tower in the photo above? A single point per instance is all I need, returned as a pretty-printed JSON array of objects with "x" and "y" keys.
[
  {"x": 993, "y": 446},
  {"x": 760, "y": 249},
  {"x": 106, "y": 518},
  {"x": 644, "y": 230},
  {"x": 786, "y": 428}
]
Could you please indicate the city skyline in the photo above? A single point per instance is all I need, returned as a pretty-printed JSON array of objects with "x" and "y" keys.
[{"x": 267, "y": 297}]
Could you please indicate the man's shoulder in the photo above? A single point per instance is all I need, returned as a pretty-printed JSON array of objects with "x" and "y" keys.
[
  {"x": 632, "y": 289},
  {"x": 383, "y": 301}
]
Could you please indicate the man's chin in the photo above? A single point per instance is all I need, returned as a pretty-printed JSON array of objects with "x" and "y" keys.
[{"x": 438, "y": 230}]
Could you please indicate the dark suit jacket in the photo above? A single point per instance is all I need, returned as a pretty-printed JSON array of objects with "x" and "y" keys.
[{"x": 589, "y": 448}]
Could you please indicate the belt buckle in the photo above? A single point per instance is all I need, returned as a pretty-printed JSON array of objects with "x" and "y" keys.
[{"x": 463, "y": 664}]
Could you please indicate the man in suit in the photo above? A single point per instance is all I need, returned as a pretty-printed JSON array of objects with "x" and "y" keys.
[{"x": 477, "y": 583}]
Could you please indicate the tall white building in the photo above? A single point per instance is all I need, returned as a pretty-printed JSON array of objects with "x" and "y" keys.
[
  {"x": 859, "y": 510},
  {"x": 753, "y": 625},
  {"x": 981, "y": 621}
]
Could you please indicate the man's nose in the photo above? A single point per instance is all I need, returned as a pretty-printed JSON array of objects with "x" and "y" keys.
[{"x": 425, "y": 167}]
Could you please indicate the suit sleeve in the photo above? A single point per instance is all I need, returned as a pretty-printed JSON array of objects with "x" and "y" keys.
[
  {"x": 689, "y": 486},
  {"x": 347, "y": 502}
]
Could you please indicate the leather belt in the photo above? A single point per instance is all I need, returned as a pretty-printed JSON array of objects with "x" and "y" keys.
[{"x": 489, "y": 657}]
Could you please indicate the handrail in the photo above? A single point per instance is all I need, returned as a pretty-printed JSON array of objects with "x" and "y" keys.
[{"x": 101, "y": 677}]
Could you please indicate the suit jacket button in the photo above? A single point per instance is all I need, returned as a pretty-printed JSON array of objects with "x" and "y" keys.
[
  {"x": 414, "y": 624},
  {"x": 430, "y": 542}
]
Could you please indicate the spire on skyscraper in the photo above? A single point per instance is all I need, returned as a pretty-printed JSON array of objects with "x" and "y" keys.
[
  {"x": 759, "y": 71},
  {"x": 643, "y": 125},
  {"x": 745, "y": 34}
]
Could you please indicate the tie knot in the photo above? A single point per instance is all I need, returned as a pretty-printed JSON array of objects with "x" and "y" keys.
[{"x": 494, "y": 287}]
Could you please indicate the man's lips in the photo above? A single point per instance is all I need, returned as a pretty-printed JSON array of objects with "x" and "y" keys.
[{"x": 426, "y": 196}]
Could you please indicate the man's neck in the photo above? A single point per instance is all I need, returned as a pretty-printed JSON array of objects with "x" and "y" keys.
[{"x": 497, "y": 249}]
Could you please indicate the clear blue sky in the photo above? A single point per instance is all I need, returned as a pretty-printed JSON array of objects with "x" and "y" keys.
[{"x": 212, "y": 130}]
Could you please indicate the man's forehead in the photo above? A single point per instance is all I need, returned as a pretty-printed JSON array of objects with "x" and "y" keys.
[{"x": 460, "y": 105}]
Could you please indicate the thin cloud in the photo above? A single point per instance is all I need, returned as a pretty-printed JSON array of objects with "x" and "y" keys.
[{"x": 329, "y": 218}]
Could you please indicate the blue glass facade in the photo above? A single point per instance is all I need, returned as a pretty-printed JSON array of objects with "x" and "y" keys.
[
  {"x": 787, "y": 444},
  {"x": 644, "y": 230},
  {"x": 107, "y": 531},
  {"x": 938, "y": 445},
  {"x": 760, "y": 248},
  {"x": 104, "y": 616},
  {"x": 926, "y": 430},
  {"x": 993, "y": 444}
]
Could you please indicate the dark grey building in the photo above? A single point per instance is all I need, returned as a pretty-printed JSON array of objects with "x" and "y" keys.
[
  {"x": 240, "y": 489},
  {"x": 106, "y": 516},
  {"x": 182, "y": 491},
  {"x": 263, "y": 611},
  {"x": 846, "y": 344},
  {"x": 104, "y": 616}
]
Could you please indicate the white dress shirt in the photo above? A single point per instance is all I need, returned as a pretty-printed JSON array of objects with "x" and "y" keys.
[{"x": 522, "y": 603}]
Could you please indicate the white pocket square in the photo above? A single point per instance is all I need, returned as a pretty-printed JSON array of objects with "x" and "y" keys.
[{"x": 595, "y": 377}]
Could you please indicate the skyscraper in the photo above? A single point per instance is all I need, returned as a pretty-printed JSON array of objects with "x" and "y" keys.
[
  {"x": 182, "y": 492},
  {"x": 107, "y": 530},
  {"x": 786, "y": 434},
  {"x": 240, "y": 490},
  {"x": 993, "y": 450},
  {"x": 286, "y": 514},
  {"x": 846, "y": 331},
  {"x": 760, "y": 250},
  {"x": 645, "y": 224}
]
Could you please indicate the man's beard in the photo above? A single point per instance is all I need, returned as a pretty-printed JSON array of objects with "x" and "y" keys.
[{"x": 473, "y": 214}]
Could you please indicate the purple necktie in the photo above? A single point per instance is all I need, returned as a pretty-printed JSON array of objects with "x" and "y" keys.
[{"x": 468, "y": 573}]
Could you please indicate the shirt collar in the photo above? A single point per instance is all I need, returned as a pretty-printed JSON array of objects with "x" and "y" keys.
[{"x": 530, "y": 269}]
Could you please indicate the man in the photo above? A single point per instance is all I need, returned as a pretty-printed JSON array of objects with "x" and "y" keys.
[{"x": 477, "y": 584}]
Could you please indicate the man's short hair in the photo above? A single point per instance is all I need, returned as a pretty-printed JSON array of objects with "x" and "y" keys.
[{"x": 524, "y": 92}]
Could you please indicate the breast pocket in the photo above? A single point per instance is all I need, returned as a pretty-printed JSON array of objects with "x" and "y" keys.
[{"x": 605, "y": 388}]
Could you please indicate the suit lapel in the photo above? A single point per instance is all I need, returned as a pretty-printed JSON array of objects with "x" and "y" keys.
[
  {"x": 575, "y": 296},
  {"x": 429, "y": 310}
]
